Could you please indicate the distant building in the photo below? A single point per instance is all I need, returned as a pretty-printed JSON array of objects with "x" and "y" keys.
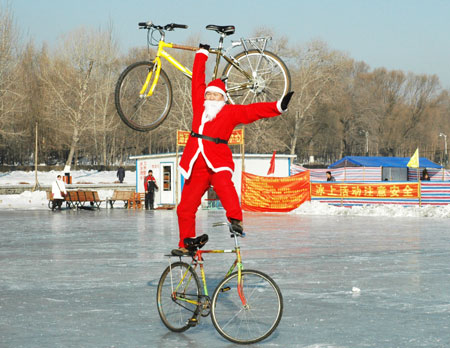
[{"x": 171, "y": 182}]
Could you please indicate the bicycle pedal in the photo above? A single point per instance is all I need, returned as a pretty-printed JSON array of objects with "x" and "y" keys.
[
  {"x": 192, "y": 322},
  {"x": 225, "y": 289}
]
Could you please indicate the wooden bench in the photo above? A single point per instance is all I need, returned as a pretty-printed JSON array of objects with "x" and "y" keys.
[
  {"x": 72, "y": 199},
  {"x": 97, "y": 200},
  {"x": 83, "y": 198},
  {"x": 136, "y": 200},
  {"x": 79, "y": 199},
  {"x": 50, "y": 199},
  {"x": 123, "y": 196}
]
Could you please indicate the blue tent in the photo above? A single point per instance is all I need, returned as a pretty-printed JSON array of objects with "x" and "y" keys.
[{"x": 391, "y": 162}]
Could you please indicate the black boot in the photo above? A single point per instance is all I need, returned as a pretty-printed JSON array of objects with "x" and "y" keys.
[{"x": 236, "y": 225}]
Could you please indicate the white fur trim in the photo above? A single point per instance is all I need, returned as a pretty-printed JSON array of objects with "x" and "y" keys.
[
  {"x": 202, "y": 50},
  {"x": 279, "y": 107},
  {"x": 183, "y": 172},
  {"x": 216, "y": 89}
]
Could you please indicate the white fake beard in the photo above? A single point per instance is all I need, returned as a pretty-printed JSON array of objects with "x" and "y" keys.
[{"x": 212, "y": 108}]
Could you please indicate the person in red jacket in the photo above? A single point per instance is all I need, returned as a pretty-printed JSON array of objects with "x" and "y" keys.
[
  {"x": 207, "y": 160},
  {"x": 150, "y": 186}
]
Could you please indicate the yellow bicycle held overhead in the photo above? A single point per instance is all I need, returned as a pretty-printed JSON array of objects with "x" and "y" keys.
[{"x": 143, "y": 94}]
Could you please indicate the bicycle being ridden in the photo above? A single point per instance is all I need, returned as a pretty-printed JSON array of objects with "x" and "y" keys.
[
  {"x": 143, "y": 94},
  {"x": 246, "y": 306}
]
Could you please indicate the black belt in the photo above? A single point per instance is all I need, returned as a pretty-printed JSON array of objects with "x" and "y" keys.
[{"x": 205, "y": 137}]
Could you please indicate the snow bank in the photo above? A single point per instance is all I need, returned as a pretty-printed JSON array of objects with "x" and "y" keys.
[
  {"x": 317, "y": 208},
  {"x": 38, "y": 200},
  {"x": 78, "y": 177}
]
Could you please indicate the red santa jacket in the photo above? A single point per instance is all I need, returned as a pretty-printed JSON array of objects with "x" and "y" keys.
[{"x": 217, "y": 156}]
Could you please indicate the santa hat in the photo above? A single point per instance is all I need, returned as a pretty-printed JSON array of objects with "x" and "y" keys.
[{"x": 218, "y": 86}]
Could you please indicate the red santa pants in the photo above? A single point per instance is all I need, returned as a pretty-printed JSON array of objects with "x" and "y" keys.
[{"x": 201, "y": 179}]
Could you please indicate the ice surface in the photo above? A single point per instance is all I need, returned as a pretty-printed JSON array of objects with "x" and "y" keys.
[{"x": 88, "y": 278}]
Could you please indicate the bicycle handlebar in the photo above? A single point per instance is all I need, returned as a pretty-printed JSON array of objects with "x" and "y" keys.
[
  {"x": 170, "y": 26},
  {"x": 181, "y": 26},
  {"x": 233, "y": 233}
]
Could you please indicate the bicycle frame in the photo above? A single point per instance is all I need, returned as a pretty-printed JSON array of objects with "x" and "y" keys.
[
  {"x": 162, "y": 53},
  {"x": 157, "y": 66},
  {"x": 197, "y": 259}
]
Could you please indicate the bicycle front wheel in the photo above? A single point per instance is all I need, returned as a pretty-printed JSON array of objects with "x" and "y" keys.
[
  {"x": 178, "y": 296},
  {"x": 266, "y": 78},
  {"x": 250, "y": 322},
  {"x": 139, "y": 111}
]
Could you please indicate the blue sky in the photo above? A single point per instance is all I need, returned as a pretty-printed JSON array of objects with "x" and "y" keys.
[{"x": 408, "y": 35}]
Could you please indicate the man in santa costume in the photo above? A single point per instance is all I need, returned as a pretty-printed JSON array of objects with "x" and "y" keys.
[{"x": 207, "y": 160}]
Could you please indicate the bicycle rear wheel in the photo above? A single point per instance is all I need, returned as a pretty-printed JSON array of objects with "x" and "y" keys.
[
  {"x": 253, "y": 322},
  {"x": 137, "y": 111},
  {"x": 268, "y": 78},
  {"x": 178, "y": 284}
]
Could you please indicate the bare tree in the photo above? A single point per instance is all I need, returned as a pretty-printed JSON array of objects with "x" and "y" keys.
[
  {"x": 71, "y": 86},
  {"x": 316, "y": 70},
  {"x": 104, "y": 77},
  {"x": 10, "y": 97}
]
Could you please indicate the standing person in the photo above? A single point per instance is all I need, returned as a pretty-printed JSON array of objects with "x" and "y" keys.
[
  {"x": 330, "y": 177},
  {"x": 207, "y": 160},
  {"x": 150, "y": 186},
  {"x": 58, "y": 193},
  {"x": 121, "y": 174}
]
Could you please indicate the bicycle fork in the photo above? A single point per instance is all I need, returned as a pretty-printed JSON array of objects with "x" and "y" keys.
[
  {"x": 240, "y": 285},
  {"x": 157, "y": 67},
  {"x": 155, "y": 70}
]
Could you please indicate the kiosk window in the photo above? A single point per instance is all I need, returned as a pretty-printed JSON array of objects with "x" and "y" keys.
[{"x": 167, "y": 172}]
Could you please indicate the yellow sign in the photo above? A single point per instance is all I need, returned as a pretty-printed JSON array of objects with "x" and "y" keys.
[{"x": 236, "y": 138}]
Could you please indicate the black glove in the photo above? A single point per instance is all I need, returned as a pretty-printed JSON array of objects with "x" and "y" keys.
[
  {"x": 285, "y": 101},
  {"x": 204, "y": 46}
]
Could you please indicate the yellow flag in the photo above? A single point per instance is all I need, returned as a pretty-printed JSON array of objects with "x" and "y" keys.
[{"x": 414, "y": 160}]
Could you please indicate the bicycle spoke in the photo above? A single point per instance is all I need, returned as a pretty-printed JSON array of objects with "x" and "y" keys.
[
  {"x": 174, "y": 311},
  {"x": 251, "y": 322},
  {"x": 270, "y": 79},
  {"x": 142, "y": 112}
]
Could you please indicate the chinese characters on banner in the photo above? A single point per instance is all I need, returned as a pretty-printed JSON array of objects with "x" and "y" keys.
[
  {"x": 236, "y": 138},
  {"x": 274, "y": 194},
  {"x": 357, "y": 190}
]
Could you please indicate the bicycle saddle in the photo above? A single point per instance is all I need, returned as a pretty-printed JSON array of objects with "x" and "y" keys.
[
  {"x": 222, "y": 29},
  {"x": 192, "y": 244}
]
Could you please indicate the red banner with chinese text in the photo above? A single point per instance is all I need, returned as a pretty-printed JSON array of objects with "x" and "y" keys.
[
  {"x": 373, "y": 190},
  {"x": 236, "y": 138},
  {"x": 274, "y": 194}
]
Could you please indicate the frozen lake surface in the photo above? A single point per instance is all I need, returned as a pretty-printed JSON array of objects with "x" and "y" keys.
[{"x": 88, "y": 278}]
